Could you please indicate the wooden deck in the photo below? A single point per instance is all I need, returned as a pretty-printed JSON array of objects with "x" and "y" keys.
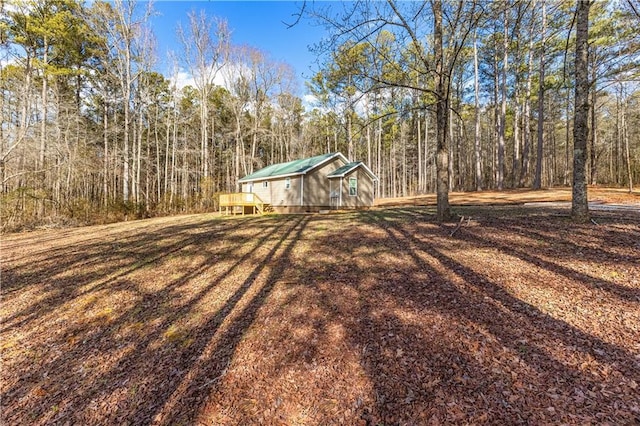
[{"x": 240, "y": 202}]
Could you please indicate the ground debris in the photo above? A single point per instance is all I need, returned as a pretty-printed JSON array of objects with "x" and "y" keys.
[{"x": 366, "y": 318}]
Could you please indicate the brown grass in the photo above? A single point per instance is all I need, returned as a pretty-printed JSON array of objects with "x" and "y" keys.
[{"x": 376, "y": 317}]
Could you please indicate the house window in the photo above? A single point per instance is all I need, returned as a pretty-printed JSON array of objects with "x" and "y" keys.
[
  {"x": 287, "y": 183},
  {"x": 265, "y": 184},
  {"x": 353, "y": 186}
]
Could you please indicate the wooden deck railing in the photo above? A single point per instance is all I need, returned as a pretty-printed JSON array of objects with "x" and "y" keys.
[{"x": 242, "y": 200}]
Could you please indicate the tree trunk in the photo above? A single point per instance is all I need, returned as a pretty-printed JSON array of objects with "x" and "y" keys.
[
  {"x": 43, "y": 124},
  {"x": 174, "y": 142},
  {"x": 496, "y": 118},
  {"x": 617, "y": 163},
  {"x": 579, "y": 204},
  {"x": 554, "y": 156},
  {"x": 567, "y": 172},
  {"x": 204, "y": 132},
  {"x": 379, "y": 158},
  {"x": 116, "y": 164},
  {"x": 537, "y": 181},
  {"x": 526, "y": 150},
  {"x": 350, "y": 153},
  {"x": 430, "y": 186},
  {"x": 105, "y": 183},
  {"x": 126, "y": 84},
  {"x": 138, "y": 158},
  {"x": 451, "y": 173},
  {"x": 157, "y": 145},
  {"x": 239, "y": 151},
  {"x": 625, "y": 140},
  {"x": 419, "y": 153},
  {"x": 254, "y": 142},
  {"x": 442, "y": 119},
  {"x": 593, "y": 140},
  {"x": 147, "y": 171},
  {"x": 40, "y": 168},
  {"x": 516, "y": 137},
  {"x": 403, "y": 141},
  {"x": 166, "y": 155},
  {"x": 503, "y": 96}
]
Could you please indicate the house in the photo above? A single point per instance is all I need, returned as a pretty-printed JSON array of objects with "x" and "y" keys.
[{"x": 327, "y": 181}]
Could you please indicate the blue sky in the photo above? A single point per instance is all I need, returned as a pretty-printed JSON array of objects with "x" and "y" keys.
[{"x": 261, "y": 24}]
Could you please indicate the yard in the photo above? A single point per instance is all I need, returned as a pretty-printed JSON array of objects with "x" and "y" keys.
[{"x": 374, "y": 317}]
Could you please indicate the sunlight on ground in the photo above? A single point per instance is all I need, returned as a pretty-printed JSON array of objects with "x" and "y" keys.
[{"x": 382, "y": 316}]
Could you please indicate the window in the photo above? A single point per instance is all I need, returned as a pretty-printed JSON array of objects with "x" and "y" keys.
[
  {"x": 287, "y": 183},
  {"x": 353, "y": 186},
  {"x": 265, "y": 184}
]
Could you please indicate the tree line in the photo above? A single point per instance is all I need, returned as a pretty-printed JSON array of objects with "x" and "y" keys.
[
  {"x": 433, "y": 96},
  {"x": 470, "y": 95}
]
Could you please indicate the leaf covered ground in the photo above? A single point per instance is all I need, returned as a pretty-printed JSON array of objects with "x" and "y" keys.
[
  {"x": 597, "y": 195},
  {"x": 376, "y": 317}
]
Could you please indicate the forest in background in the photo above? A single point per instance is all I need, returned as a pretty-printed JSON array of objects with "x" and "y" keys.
[{"x": 93, "y": 132}]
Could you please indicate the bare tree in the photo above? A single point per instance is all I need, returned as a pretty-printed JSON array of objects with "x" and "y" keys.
[
  {"x": 121, "y": 26},
  {"x": 206, "y": 47}
]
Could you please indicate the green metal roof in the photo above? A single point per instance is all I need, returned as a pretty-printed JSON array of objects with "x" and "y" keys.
[
  {"x": 348, "y": 168},
  {"x": 297, "y": 167},
  {"x": 341, "y": 171}
]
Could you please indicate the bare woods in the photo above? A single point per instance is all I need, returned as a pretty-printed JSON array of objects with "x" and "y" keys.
[{"x": 433, "y": 96}]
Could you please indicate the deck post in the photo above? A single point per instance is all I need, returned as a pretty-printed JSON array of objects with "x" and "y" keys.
[{"x": 235, "y": 201}]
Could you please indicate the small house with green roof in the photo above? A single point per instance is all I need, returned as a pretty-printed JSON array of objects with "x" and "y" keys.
[{"x": 327, "y": 181}]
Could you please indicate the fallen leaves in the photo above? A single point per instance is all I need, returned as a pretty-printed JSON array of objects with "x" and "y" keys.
[{"x": 377, "y": 317}]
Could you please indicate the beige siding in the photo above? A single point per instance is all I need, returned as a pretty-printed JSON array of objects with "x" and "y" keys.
[
  {"x": 275, "y": 192},
  {"x": 259, "y": 190},
  {"x": 364, "y": 198},
  {"x": 280, "y": 196},
  {"x": 316, "y": 184}
]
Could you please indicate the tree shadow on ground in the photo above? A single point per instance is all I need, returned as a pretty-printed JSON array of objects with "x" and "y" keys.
[
  {"x": 548, "y": 244},
  {"x": 378, "y": 317},
  {"x": 66, "y": 271},
  {"x": 445, "y": 342},
  {"x": 131, "y": 359}
]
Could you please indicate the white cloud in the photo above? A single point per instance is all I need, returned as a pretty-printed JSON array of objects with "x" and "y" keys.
[
  {"x": 309, "y": 102},
  {"x": 182, "y": 79},
  {"x": 225, "y": 76}
]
